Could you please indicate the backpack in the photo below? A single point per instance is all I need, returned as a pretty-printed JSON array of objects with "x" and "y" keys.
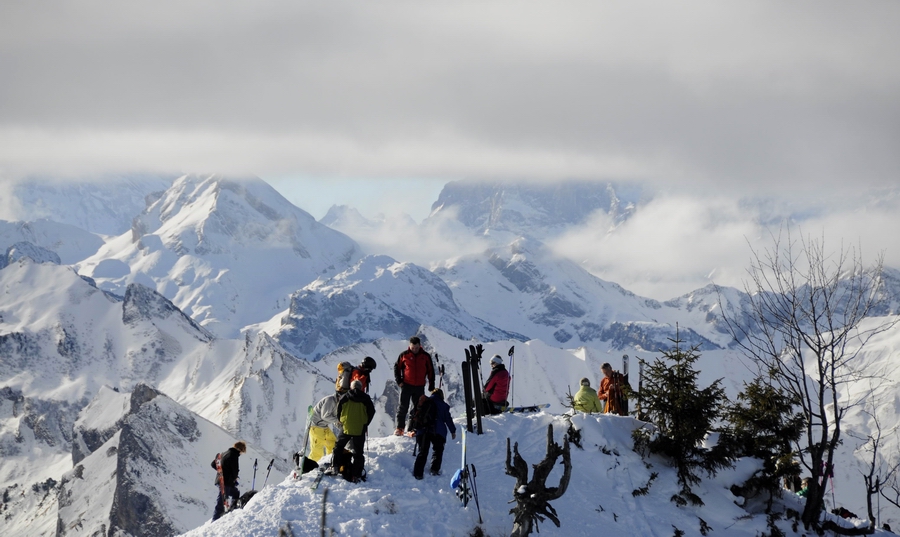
[
  {"x": 425, "y": 414},
  {"x": 344, "y": 377}
]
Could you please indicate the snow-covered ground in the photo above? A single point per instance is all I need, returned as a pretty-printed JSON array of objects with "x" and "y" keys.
[{"x": 599, "y": 500}]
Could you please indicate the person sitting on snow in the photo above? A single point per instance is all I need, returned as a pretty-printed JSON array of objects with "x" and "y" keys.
[
  {"x": 497, "y": 387},
  {"x": 586, "y": 398}
]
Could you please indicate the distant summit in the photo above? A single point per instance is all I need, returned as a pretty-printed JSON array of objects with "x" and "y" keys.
[
  {"x": 533, "y": 209},
  {"x": 227, "y": 251}
]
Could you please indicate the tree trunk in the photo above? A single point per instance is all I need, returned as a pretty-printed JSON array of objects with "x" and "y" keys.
[{"x": 533, "y": 497}]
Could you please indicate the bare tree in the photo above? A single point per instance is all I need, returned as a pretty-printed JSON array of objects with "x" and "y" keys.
[
  {"x": 878, "y": 470},
  {"x": 807, "y": 313},
  {"x": 533, "y": 497}
]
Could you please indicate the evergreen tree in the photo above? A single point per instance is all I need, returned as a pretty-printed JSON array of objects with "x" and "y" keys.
[
  {"x": 684, "y": 416},
  {"x": 764, "y": 424}
]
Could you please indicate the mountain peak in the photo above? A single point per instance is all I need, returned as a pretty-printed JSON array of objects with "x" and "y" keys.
[{"x": 529, "y": 208}]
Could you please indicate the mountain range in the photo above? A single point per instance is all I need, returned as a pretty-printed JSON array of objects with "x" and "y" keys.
[{"x": 225, "y": 309}]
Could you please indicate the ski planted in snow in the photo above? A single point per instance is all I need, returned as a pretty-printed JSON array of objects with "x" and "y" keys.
[
  {"x": 475, "y": 353},
  {"x": 467, "y": 389},
  {"x": 475, "y": 492},
  {"x": 460, "y": 480},
  {"x": 622, "y": 399}
]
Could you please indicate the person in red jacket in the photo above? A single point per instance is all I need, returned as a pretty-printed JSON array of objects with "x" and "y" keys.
[
  {"x": 497, "y": 387},
  {"x": 412, "y": 370}
]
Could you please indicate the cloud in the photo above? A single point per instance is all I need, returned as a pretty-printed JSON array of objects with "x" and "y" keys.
[
  {"x": 437, "y": 239},
  {"x": 678, "y": 243},
  {"x": 750, "y": 97}
]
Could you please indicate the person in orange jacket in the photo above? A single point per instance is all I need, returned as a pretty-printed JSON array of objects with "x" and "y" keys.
[
  {"x": 412, "y": 370},
  {"x": 611, "y": 390}
]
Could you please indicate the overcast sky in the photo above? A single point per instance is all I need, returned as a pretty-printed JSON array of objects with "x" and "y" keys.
[{"x": 735, "y": 98}]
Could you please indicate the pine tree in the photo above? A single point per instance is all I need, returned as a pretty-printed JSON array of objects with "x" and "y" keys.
[
  {"x": 764, "y": 424},
  {"x": 684, "y": 416}
]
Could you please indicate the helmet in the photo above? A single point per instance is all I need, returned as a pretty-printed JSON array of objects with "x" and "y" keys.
[
  {"x": 368, "y": 363},
  {"x": 496, "y": 360},
  {"x": 585, "y": 382}
]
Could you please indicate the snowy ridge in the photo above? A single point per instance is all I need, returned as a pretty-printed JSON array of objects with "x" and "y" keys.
[{"x": 226, "y": 251}]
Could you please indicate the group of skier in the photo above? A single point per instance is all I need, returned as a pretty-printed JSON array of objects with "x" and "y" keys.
[{"x": 350, "y": 410}]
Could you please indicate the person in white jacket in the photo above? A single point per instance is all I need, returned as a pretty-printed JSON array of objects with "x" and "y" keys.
[{"x": 321, "y": 434}]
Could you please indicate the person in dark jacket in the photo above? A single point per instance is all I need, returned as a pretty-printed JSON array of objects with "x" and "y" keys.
[
  {"x": 412, "y": 370},
  {"x": 356, "y": 412},
  {"x": 497, "y": 387},
  {"x": 434, "y": 436},
  {"x": 230, "y": 471}
]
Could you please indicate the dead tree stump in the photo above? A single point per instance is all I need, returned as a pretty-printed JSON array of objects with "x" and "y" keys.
[{"x": 533, "y": 497}]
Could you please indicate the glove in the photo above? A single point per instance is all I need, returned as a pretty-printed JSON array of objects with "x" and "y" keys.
[
  {"x": 430, "y": 388},
  {"x": 453, "y": 436}
]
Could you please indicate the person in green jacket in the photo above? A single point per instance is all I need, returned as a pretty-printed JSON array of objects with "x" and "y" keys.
[
  {"x": 356, "y": 412},
  {"x": 586, "y": 398}
]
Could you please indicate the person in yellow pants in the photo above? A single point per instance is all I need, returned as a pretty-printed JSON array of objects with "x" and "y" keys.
[{"x": 324, "y": 417}]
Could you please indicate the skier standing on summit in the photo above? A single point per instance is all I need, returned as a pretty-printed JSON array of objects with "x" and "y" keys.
[
  {"x": 412, "y": 370},
  {"x": 230, "y": 469},
  {"x": 356, "y": 412},
  {"x": 323, "y": 419},
  {"x": 433, "y": 433},
  {"x": 611, "y": 390},
  {"x": 497, "y": 387}
]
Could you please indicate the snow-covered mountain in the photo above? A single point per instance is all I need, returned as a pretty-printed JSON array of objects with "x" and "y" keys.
[
  {"x": 509, "y": 210},
  {"x": 103, "y": 205},
  {"x": 227, "y": 252},
  {"x": 147, "y": 471},
  {"x": 211, "y": 255},
  {"x": 376, "y": 298},
  {"x": 523, "y": 286}
]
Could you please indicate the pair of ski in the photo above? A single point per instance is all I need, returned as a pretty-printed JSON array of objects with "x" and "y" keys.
[{"x": 462, "y": 480}]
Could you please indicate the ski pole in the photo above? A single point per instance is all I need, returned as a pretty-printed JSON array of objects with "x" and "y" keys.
[
  {"x": 366, "y": 460},
  {"x": 441, "y": 382},
  {"x": 268, "y": 469},
  {"x": 475, "y": 493},
  {"x": 512, "y": 375},
  {"x": 253, "y": 483}
]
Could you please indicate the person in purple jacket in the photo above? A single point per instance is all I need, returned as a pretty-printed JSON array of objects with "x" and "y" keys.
[
  {"x": 432, "y": 421},
  {"x": 497, "y": 387}
]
